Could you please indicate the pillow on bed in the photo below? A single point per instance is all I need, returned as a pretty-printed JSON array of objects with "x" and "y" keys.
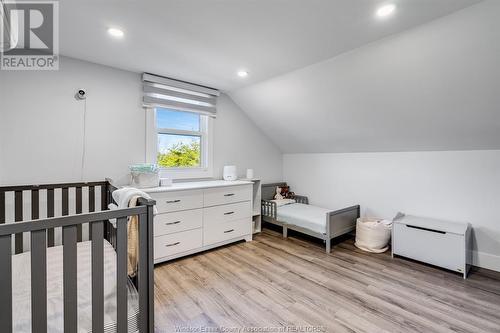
[{"x": 283, "y": 202}]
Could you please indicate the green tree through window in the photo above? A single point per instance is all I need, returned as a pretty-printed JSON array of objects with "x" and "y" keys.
[{"x": 181, "y": 155}]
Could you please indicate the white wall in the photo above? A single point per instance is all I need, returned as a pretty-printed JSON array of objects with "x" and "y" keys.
[
  {"x": 238, "y": 141},
  {"x": 42, "y": 121},
  {"x": 459, "y": 186}
]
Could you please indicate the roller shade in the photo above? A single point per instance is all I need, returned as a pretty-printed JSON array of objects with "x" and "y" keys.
[{"x": 172, "y": 94}]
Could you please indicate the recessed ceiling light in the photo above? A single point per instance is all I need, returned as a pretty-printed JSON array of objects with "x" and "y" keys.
[
  {"x": 386, "y": 10},
  {"x": 242, "y": 73},
  {"x": 117, "y": 33}
]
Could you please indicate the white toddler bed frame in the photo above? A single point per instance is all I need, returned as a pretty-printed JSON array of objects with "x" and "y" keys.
[{"x": 338, "y": 222}]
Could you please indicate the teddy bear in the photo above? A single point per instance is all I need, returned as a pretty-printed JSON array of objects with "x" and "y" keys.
[
  {"x": 278, "y": 195},
  {"x": 283, "y": 193},
  {"x": 286, "y": 193}
]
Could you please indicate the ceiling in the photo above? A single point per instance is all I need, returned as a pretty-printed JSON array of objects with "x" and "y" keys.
[
  {"x": 435, "y": 87},
  {"x": 208, "y": 41}
]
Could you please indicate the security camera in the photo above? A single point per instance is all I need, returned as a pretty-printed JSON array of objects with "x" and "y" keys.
[{"x": 81, "y": 94}]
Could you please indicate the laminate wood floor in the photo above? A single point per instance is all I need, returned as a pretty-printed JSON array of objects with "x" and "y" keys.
[{"x": 273, "y": 283}]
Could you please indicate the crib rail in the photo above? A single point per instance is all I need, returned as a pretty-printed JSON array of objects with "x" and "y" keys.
[
  {"x": 301, "y": 199},
  {"x": 268, "y": 209},
  {"x": 32, "y": 194},
  {"x": 40, "y": 238}
]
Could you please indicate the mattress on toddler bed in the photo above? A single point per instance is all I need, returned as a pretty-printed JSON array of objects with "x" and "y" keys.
[
  {"x": 306, "y": 216},
  {"x": 21, "y": 286}
]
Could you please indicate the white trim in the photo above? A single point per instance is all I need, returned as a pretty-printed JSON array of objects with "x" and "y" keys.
[
  {"x": 206, "y": 171},
  {"x": 180, "y": 132},
  {"x": 486, "y": 260},
  {"x": 151, "y": 139}
]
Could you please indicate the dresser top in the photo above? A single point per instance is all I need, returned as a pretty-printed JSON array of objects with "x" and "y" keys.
[{"x": 196, "y": 185}]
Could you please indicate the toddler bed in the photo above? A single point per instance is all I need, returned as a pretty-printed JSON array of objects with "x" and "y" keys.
[
  {"x": 81, "y": 285},
  {"x": 296, "y": 214}
]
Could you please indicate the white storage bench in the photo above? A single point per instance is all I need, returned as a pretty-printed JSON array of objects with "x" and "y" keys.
[{"x": 440, "y": 243}]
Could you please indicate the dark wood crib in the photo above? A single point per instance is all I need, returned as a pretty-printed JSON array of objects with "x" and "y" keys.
[{"x": 68, "y": 208}]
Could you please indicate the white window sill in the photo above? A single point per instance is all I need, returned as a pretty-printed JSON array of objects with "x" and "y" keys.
[{"x": 186, "y": 173}]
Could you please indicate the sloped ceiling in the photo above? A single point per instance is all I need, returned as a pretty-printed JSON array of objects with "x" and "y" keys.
[
  {"x": 208, "y": 41},
  {"x": 436, "y": 87}
]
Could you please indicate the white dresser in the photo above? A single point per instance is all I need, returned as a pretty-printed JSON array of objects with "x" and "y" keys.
[{"x": 197, "y": 216}]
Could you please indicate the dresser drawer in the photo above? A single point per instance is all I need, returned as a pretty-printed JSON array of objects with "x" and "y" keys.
[
  {"x": 178, "y": 200},
  {"x": 225, "y": 195},
  {"x": 226, "y": 213},
  {"x": 169, "y": 245},
  {"x": 219, "y": 232},
  {"x": 169, "y": 223}
]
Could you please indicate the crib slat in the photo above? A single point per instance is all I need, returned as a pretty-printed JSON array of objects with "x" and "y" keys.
[
  {"x": 98, "y": 277},
  {"x": 143, "y": 274},
  {"x": 18, "y": 216},
  {"x": 78, "y": 210},
  {"x": 6, "y": 283},
  {"x": 151, "y": 282},
  {"x": 91, "y": 199},
  {"x": 91, "y": 206},
  {"x": 38, "y": 281},
  {"x": 65, "y": 201},
  {"x": 104, "y": 206},
  {"x": 35, "y": 205},
  {"x": 2, "y": 207},
  {"x": 121, "y": 274},
  {"x": 104, "y": 197},
  {"x": 69, "y": 279},
  {"x": 50, "y": 213}
]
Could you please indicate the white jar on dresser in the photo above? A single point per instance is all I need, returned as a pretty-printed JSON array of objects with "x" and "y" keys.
[{"x": 197, "y": 216}]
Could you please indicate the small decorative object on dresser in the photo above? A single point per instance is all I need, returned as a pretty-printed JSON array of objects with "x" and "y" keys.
[
  {"x": 144, "y": 175},
  {"x": 440, "y": 243},
  {"x": 230, "y": 172},
  {"x": 197, "y": 216},
  {"x": 164, "y": 182}
]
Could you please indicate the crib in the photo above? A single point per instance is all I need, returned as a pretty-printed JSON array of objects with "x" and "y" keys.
[{"x": 93, "y": 254}]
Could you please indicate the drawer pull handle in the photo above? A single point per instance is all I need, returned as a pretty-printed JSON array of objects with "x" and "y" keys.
[
  {"x": 171, "y": 223},
  {"x": 229, "y": 195},
  {"x": 228, "y": 213},
  {"x": 425, "y": 229},
  {"x": 228, "y": 231},
  {"x": 173, "y": 244},
  {"x": 173, "y": 201}
]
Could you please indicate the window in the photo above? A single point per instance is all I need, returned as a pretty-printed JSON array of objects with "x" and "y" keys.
[
  {"x": 179, "y": 118},
  {"x": 180, "y": 143}
]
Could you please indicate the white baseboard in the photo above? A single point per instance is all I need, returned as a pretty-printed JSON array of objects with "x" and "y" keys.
[{"x": 486, "y": 260}]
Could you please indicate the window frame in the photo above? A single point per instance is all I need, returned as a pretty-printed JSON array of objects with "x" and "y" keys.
[{"x": 206, "y": 147}]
